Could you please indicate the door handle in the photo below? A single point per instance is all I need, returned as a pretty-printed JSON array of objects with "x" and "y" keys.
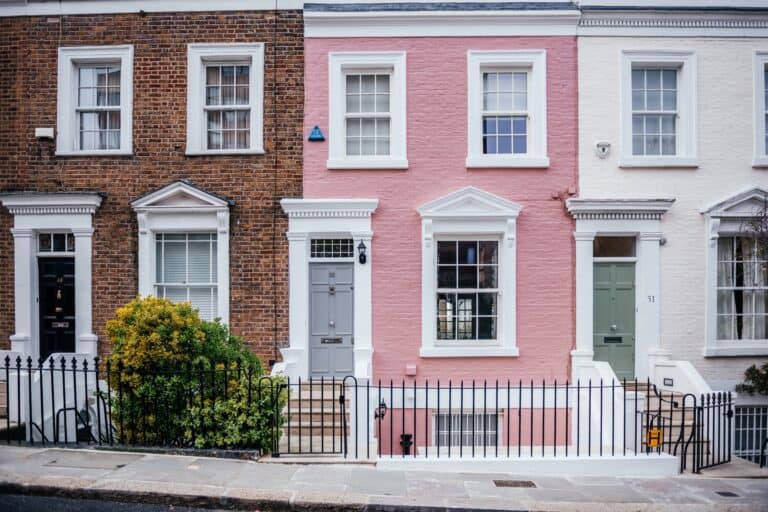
[
  {"x": 613, "y": 328},
  {"x": 331, "y": 290}
]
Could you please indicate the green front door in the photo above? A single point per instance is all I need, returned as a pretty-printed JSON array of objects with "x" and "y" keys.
[{"x": 614, "y": 313}]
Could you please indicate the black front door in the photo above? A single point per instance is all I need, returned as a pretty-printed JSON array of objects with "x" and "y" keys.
[{"x": 57, "y": 305}]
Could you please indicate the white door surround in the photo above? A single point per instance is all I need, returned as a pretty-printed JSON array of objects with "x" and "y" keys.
[
  {"x": 327, "y": 218},
  {"x": 35, "y": 212},
  {"x": 629, "y": 217}
]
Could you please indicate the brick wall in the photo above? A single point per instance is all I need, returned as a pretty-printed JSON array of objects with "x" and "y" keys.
[{"x": 258, "y": 262}]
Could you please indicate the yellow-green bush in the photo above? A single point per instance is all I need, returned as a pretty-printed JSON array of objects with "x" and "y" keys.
[{"x": 172, "y": 375}]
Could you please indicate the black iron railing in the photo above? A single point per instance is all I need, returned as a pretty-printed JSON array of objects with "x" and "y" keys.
[{"x": 71, "y": 401}]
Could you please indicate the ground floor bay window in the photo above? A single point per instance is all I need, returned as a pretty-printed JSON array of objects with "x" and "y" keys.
[
  {"x": 185, "y": 270},
  {"x": 468, "y": 275},
  {"x": 184, "y": 248},
  {"x": 737, "y": 277}
]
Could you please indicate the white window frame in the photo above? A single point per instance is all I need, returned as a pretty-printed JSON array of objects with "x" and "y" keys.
[
  {"x": 535, "y": 63},
  {"x": 198, "y": 56},
  {"x": 339, "y": 64},
  {"x": 726, "y": 218},
  {"x": 761, "y": 155},
  {"x": 182, "y": 208},
  {"x": 475, "y": 214},
  {"x": 685, "y": 124},
  {"x": 67, "y": 137}
]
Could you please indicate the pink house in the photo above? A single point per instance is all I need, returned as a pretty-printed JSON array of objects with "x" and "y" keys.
[{"x": 432, "y": 242}]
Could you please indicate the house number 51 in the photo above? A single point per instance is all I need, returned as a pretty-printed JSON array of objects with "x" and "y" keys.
[{"x": 651, "y": 298}]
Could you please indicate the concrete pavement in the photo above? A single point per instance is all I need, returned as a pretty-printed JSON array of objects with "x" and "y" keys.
[{"x": 248, "y": 485}]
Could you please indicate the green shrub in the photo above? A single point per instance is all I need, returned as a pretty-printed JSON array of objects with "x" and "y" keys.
[
  {"x": 755, "y": 381},
  {"x": 179, "y": 380}
]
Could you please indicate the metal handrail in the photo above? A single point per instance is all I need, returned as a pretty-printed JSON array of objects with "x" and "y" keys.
[{"x": 762, "y": 452}]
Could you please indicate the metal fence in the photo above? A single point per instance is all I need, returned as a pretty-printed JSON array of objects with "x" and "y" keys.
[
  {"x": 751, "y": 432},
  {"x": 71, "y": 401}
]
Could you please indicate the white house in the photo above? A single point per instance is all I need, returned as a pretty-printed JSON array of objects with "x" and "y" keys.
[{"x": 673, "y": 164}]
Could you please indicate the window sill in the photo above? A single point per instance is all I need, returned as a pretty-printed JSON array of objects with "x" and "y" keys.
[
  {"x": 510, "y": 162},
  {"x": 760, "y": 162},
  {"x": 492, "y": 351},
  {"x": 348, "y": 163},
  {"x": 661, "y": 162},
  {"x": 109, "y": 152},
  {"x": 224, "y": 152},
  {"x": 725, "y": 348}
]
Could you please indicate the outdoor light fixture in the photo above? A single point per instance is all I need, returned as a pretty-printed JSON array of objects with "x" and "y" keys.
[
  {"x": 361, "y": 250},
  {"x": 380, "y": 411}
]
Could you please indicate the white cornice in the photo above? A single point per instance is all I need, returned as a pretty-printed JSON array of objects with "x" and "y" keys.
[
  {"x": 470, "y": 202},
  {"x": 179, "y": 196},
  {"x": 618, "y": 209},
  {"x": 734, "y": 206},
  {"x": 35, "y": 203},
  {"x": 329, "y": 208},
  {"x": 439, "y": 23},
  {"x": 49, "y": 8},
  {"x": 673, "y": 23}
]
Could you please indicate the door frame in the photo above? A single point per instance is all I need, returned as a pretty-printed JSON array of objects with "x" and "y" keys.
[
  {"x": 327, "y": 218},
  {"x": 33, "y": 213},
  {"x": 640, "y": 218},
  {"x": 327, "y": 261}
]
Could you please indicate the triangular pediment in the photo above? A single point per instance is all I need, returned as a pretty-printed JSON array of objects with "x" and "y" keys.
[
  {"x": 470, "y": 202},
  {"x": 747, "y": 203},
  {"x": 181, "y": 195}
]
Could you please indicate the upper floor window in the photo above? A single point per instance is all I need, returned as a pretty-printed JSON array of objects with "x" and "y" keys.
[
  {"x": 654, "y": 111},
  {"x": 507, "y": 109},
  {"x": 225, "y": 98},
  {"x": 367, "y": 125},
  {"x": 505, "y": 112},
  {"x": 95, "y": 100},
  {"x": 658, "y": 109},
  {"x": 368, "y": 116},
  {"x": 761, "y": 109}
]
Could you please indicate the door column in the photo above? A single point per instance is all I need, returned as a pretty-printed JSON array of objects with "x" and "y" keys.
[
  {"x": 24, "y": 291},
  {"x": 584, "y": 299},
  {"x": 85, "y": 339},
  {"x": 648, "y": 327},
  {"x": 363, "y": 309}
]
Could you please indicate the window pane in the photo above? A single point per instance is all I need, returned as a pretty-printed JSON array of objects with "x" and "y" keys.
[
  {"x": 199, "y": 262},
  {"x": 212, "y": 75},
  {"x": 613, "y": 246},
  {"x": 468, "y": 276},
  {"x": 467, "y": 253},
  {"x": 446, "y": 252},
  {"x": 242, "y": 75},
  {"x": 488, "y": 252},
  {"x": 486, "y": 304},
  {"x": 486, "y": 328},
  {"x": 446, "y": 277},
  {"x": 487, "y": 276},
  {"x": 227, "y": 75},
  {"x": 175, "y": 262}
]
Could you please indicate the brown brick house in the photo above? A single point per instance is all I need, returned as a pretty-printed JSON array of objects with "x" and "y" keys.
[{"x": 146, "y": 152}]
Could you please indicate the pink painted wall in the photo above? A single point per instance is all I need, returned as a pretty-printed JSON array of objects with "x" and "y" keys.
[{"x": 436, "y": 150}]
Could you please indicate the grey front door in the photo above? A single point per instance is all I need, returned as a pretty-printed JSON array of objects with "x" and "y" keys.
[
  {"x": 331, "y": 302},
  {"x": 614, "y": 317}
]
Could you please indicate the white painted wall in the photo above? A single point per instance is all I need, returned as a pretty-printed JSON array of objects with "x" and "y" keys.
[{"x": 725, "y": 135}]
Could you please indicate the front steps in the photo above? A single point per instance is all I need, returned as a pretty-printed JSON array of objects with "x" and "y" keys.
[
  {"x": 674, "y": 421},
  {"x": 314, "y": 423}
]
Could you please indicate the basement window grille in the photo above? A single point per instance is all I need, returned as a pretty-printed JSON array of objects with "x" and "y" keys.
[
  {"x": 466, "y": 429},
  {"x": 751, "y": 428}
]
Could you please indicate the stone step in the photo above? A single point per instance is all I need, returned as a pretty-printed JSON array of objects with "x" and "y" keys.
[
  {"x": 316, "y": 416},
  {"x": 306, "y": 428},
  {"x": 319, "y": 444}
]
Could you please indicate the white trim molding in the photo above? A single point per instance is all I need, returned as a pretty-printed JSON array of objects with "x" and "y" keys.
[
  {"x": 67, "y": 136},
  {"x": 198, "y": 55},
  {"x": 638, "y": 217},
  {"x": 729, "y": 217},
  {"x": 534, "y": 62},
  {"x": 759, "y": 85},
  {"x": 183, "y": 208},
  {"x": 470, "y": 212},
  {"x": 327, "y": 218},
  {"x": 435, "y": 23},
  {"x": 686, "y": 134},
  {"x": 392, "y": 63},
  {"x": 35, "y": 212}
]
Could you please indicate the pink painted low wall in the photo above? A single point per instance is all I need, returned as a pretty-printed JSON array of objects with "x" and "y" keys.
[{"x": 436, "y": 150}]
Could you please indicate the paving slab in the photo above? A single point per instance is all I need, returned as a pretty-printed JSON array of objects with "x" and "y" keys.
[{"x": 378, "y": 483}]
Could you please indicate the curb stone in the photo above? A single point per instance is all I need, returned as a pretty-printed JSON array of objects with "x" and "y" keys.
[{"x": 220, "y": 502}]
